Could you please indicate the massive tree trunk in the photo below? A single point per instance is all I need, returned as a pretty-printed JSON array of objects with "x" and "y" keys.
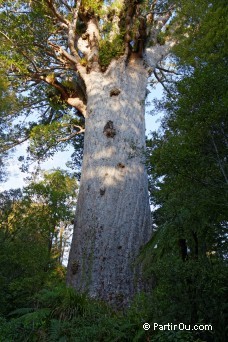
[{"x": 113, "y": 215}]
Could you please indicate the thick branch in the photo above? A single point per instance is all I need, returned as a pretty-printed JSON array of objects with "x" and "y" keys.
[
  {"x": 77, "y": 101},
  {"x": 50, "y": 79},
  {"x": 155, "y": 54},
  {"x": 72, "y": 31},
  {"x": 63, "y": 52},
  {"x": 128, "y": 14},
  {"x": 93, "y": 37}
]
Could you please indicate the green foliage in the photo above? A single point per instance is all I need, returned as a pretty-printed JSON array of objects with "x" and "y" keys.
[
  {"x": 43, "y": 137},
  {"x": 25, "y": 29},
  {"x": 65, "y": 303},
  {"x": 93, "y": 6},
  {"x": 191, "y": 154},
  {"x": 8, "y": 98},
  {"x": 190, "y": 292},
  {"x": 186, "y": 259},
  {"x": 175, "y": 336},
  {"x": 62, "y": 314},
  {"x": 46, "y": 139},
  {"x": 33, "y": 232},
  {"x": 116, "y": 4},
  {"x": 8, "y": 104},
  {"x": 110, "y": 49},
  {"x": 202, "y": 31},
  {"x": 14, "y": 28},
  {"x": 161, "y": 38}
]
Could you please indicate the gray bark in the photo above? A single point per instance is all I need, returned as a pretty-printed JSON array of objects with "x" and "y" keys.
[{"x": 113, "y": 219}]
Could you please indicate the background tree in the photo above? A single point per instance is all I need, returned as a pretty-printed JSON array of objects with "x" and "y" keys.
[
  {"x": 34, "y": 231},
  {"x": 186, "y": 259}
]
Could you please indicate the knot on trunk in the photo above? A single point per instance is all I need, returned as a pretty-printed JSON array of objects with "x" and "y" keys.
[
  {"x": 120, "y": 166},
  {"x": 114, "y": 92},
  {"x": 109, "y": 129},
  {"x": 102, "y": 191},
  {"x": 74, "y": 267}
]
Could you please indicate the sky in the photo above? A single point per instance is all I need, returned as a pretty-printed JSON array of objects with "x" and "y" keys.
[{"x": 16, "y": 178}]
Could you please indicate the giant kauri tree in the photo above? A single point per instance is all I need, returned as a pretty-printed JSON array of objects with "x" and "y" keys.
[{"x": 81, "y": 68}]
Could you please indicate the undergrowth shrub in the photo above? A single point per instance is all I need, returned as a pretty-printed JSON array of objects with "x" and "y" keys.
[{"x": 61, "y": 314}]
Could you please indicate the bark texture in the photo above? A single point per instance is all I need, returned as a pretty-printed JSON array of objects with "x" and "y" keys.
[{"x": 113, "y": 214}]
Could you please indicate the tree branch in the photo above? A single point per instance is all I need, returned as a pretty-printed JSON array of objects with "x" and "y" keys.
[
  {"x": 218, "y": 159},
  {"x": 93, "y": 37},
  {"x": 156, "y": 53},
  {"x": 77, "y": 101},
  {"x": 66, "y": 5},
  {"x": 81, "y": 130},
  {"x": 167, "y": 70},
  {"x": 162, "y": 83},
  {"x": 50, "y": 79},
  {"x": 14, "y": 144},
  {"x": 15, "y": 45},
  {"x": 63, "y": 52},
  {"x": 54, "y": 10},
  {"x": 72, "y": 31}
]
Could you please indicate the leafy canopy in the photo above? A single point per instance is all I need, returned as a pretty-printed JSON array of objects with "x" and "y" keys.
[{"x": 47, "y": 49}]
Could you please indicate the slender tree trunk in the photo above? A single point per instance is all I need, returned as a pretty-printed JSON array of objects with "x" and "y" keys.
[{"x": 113, "y": 214}]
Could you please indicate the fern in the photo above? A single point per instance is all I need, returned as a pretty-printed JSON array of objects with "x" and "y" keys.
[
  {"x": 54, "y": 330},
  {"x": 31, "y": 319},
  {"x": 73, "y": 304},
  {"x": 21, "y": 311}
]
